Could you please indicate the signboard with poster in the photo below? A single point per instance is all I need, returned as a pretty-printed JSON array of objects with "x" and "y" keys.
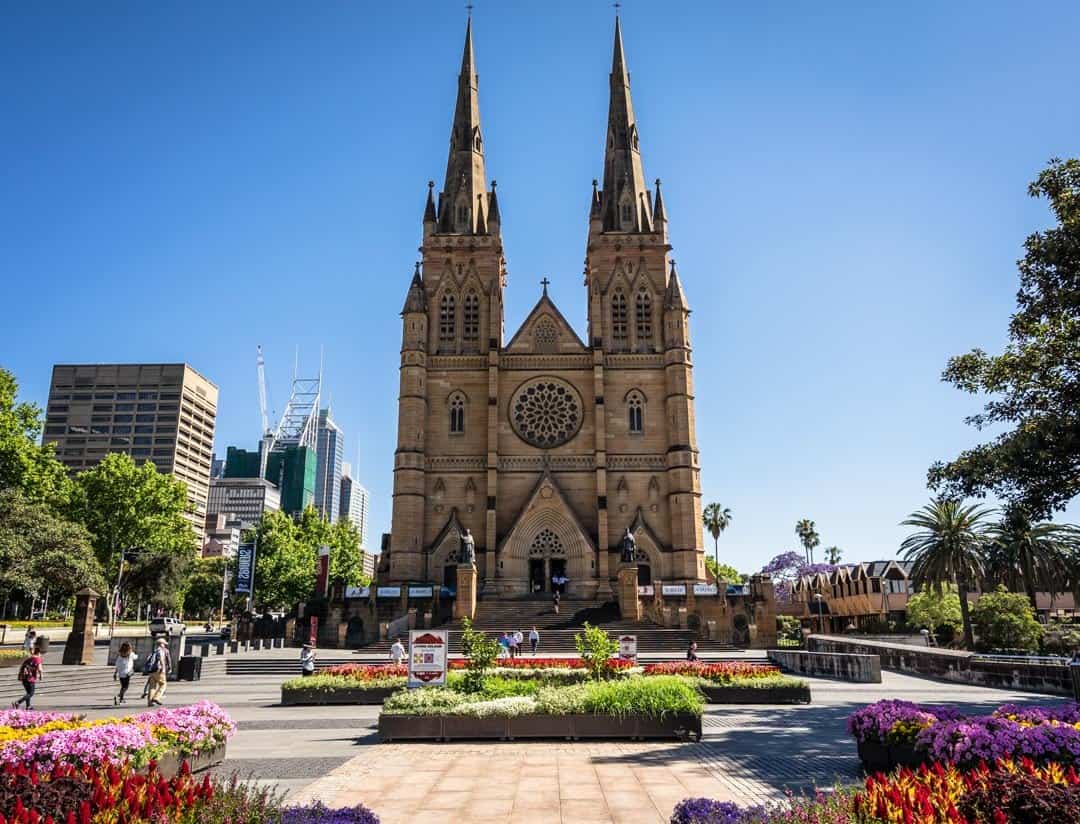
[
  {"x": 674, "y": 589},
  {"x": 705, "y": 589},
  {"x": 628, "y": 647},
  {"x": 427, "y": 657}
]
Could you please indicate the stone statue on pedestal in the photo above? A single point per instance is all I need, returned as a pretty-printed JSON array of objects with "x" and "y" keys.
[
  {"x": 629, "y": 547},
  {"x": 467, "y": 552}
]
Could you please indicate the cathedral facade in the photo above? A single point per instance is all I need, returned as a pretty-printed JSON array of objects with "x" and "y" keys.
[{"x": 546, "y": 446}]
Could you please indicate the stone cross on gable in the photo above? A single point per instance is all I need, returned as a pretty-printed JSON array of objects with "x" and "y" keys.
[{"x": 545, "y": 283}]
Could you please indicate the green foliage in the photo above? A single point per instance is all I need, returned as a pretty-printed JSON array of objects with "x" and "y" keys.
[
  {"x": 424, "y": 701},
  {"x": 202, "y": 588},
  {"x": 24, "y": 465},
  {"x": 39, "y": 550},
  {"x": 725, "y": 572},
  {"x": 1034, "y": 385},
  {"x": 933, "y": 610},
  {"x": 655, "y": 697},
  {"x": 569, "y": 700},
  {"x": 481, "y": 653},
  {"x": 323, "y": 683},
  {"x": 1005, "y": 621},
  {"x": 137, "y": 510},
  {"x": 788, "y": 628},
  {"x": 716, "y": 519},
  {"x": 947, "y": 548},
  {"x": 808, "y": 537},
  {"x": 1022, "y": 555},
  {"x": 1061, "y": 638},
  {"x": 596, "y": 648},
  {"x": 833, "y": 554}
]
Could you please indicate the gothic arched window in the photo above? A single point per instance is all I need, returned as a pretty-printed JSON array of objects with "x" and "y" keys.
[
  {"x": 626, "y": 214},
  {"x": 618, "y": 319},
  {"x": 457, "y": 414},
  {"x": 643, "y": 318},
  {"x": 447, "y": 320},
  {"x": 471, "y": 318},
  {"x": 635, "y": 412}
]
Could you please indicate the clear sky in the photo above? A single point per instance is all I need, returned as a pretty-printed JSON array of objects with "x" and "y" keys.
[{"x": 845, "y": 184}]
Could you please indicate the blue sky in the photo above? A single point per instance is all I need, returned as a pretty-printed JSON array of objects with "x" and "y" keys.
[{"x": 845, "y": 184}]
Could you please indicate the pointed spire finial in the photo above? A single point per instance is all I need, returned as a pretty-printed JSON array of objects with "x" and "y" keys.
[{"x": 545, "y": 282}]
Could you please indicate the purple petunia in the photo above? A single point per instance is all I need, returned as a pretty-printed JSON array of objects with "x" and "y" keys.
[
  {"x": 318, "y": 813},
  {"x": 706, "y": 811}
]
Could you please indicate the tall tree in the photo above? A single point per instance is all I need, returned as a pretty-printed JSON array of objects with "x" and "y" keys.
[
  {"x": 948, "y": 549},
  {"x": 39, "y": 550},
  {"x": 284, "y": 562},
  {"x": 24, "y": 465},
  {"x": 788, "y": 567},
  {"x": 833, "y": 555},
  {"x": 203, "y": 587},
  {"x": 137, "y": 511},
  {"x": 1034, "y": 557},
  {"x": 716, "y": 519},
  {"x": 725, "y": 572},
  {"x": 1034, "y": 385},
  {"x": 808, "y": 536}
]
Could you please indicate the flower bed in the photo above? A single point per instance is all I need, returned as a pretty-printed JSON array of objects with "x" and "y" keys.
[
  {"x": 47, "y": 739},
  {"x": 1007, "y": 792},
  {"x": 900, "y": 733},
  {"x": 720, "y": 672},
  {"x": 11, "y": 657}
]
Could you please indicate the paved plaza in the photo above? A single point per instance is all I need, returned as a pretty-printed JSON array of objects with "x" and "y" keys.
[{"x": 749, "y": 754}]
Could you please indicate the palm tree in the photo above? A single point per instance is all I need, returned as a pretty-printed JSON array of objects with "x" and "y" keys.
[
  {"x": 832, "y": 555},
  {"x": 948, "y": 548},
  {"x": 716, "y": 519},
  {"x": 807, "y": 533},
  {"x": 1036, "y": 557}
]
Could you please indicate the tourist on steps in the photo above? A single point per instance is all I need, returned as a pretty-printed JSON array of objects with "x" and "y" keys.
[
  {"x": 31, "y": 671},
  {"x": 307, "y": 660},
  {"x": 519, "y": 639},
  {"x": 397, "y": 651},
  {"x": 555, "y": 601},
  {"x": 691, "y": 651},
  {"x": 534, "y": 639}
]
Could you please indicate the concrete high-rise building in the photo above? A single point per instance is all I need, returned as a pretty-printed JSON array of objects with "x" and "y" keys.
[
  {"x": 243, "y": 499},
  {"x": 159, "y": 412},
  {"x": 354, "y": 503},
  {"x": 330, "y": 454}
]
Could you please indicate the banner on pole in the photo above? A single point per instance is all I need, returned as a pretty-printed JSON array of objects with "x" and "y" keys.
[{"x": 245, "y": 567}]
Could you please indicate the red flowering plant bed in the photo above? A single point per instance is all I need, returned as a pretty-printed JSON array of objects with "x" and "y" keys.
[
  {"x": 615, "y": 664},
  {"x": 720, "y": 672}
]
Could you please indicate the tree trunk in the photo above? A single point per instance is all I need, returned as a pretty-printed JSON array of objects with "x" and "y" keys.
[
  {"x": 716, "y": 557},
  {"x": 965, "y": 615}
]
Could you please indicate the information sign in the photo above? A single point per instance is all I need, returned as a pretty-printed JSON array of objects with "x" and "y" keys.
[
  {"x": 628, "y": 647},
  {"x": 674, "y": 589},
  {"x": 427, "y": 657}
]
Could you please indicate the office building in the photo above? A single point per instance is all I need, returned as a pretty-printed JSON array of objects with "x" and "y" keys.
[
  {"x": 163, "y": 412},
  {"x": 222, "y": 536},
  {"x": 330, "y": 452},
  {"x": 243, "y": 500},
  {"x": 354, "y": 503}
]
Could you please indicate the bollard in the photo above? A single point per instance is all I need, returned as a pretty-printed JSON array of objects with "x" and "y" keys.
[
  {"x": 219, "y": 648},
  {"x": 204, "y": 650},
  {"x": 234, "y": 646},
  {"x": 1074, "y": 671}
]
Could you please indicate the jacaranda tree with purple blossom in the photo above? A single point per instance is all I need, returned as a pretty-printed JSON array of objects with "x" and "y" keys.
[{"x": 786, "y": 568}]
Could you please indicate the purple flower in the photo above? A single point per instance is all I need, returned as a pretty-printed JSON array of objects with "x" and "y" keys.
[
  {"x": 706, "y": 811},
  {"x": 318, "y": 813}
]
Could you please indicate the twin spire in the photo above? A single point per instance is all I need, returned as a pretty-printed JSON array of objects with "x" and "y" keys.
[{"x": 465, "y": 207}]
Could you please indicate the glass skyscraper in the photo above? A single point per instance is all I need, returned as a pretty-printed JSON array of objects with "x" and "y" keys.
[
  {"x": 330, "y": 452},
  {"x": 354, "y": 504}
]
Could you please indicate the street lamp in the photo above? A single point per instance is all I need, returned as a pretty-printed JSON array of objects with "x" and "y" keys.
[{"x": 821, "y": 615}]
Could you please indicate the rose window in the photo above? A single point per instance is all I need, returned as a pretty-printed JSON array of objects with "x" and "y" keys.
[
  {"x": 546, "y": 412},
  {"x": 546, "y": 544}
]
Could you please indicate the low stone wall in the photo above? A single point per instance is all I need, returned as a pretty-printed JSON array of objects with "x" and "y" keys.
[
  {"x": 847, "y": 666},
  {"x": 952, "y": 665}
]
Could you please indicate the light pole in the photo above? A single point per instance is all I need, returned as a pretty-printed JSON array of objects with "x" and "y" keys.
[{"x": 821, "y": 615}]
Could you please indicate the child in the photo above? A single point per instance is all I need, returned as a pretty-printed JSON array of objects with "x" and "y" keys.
[{"x": 125, "y": 667}]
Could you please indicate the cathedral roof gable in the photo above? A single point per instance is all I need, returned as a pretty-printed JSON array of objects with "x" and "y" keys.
[
  {"x": 568, "y": 339},
  {"x": 547, "y": 495}
]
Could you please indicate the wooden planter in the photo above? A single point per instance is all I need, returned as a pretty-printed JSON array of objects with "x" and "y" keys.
[
  {"x": 878, "y": 757},
  {"x": 751, "y": 695},
  {"x": 169, "y": 764},
  {"x": 450, "y": 727},
  {"x": 462, "y": 726},
  {"x": 303, "y": 696}
]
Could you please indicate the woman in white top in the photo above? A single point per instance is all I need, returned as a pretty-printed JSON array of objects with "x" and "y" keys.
[
  {"x": 125, "y": 667},
  {"x": 397, "y": 651},
  {"x": 307, "y": 660}
]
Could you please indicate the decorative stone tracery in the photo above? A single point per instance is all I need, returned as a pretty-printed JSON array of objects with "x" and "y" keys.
[{"x": 546, "y": 412}]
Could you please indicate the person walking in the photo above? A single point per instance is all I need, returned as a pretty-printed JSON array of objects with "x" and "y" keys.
[
  {"x": 31, "y": 672},
  {"x": 125, "y": 667},
  {"x": 519, "y": 639},
  {"x": 307, "y": 660},
  {"x": 397, "y": 651},
  {"x": 534, "y": 639},
  {"x": 691, "y": 651},
  {"x": 28, "y": 640},
  {"x": 157, "y": 668},
  {"x": 555, "y": 601}
]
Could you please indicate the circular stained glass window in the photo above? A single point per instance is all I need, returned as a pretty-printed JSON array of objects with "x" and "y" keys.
[{"x": 546, "y": 412}]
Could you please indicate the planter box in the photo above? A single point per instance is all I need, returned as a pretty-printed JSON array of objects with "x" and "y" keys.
[
  {"x": 169, "y": 764},
  {"x": 463, "y": 726},
  {"x": 877, "y": 757},
  {"x": 751, "y": 695},
  {"x": 299, "y": 697},
  {"x": 449, "y": 727},
  {"x": 542, "y": 726},
  {"x": 410, "y": 727}
]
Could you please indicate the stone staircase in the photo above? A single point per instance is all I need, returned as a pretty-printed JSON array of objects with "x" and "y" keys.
[{"x": 557, "y": 631}]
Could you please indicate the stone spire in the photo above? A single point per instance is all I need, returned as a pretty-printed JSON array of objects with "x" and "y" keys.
[
  {"x": 416, "y": 298},
  {"x": 625, "y": 200},
  {"x": 674, "y": 297},
  {"x": 465, "y": 176}
]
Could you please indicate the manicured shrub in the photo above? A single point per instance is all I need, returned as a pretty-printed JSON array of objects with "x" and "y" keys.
[
  {"x": 654, "y": 697},
  {"x": 596, "y": 649},
  {"x": 426, "y": 701},
  {"x": 480, "y": 652},
  {"x": 1005, "y": 622}
]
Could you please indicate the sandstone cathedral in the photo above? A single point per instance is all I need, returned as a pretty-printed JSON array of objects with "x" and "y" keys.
[{"x": 546, "y": 447}]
